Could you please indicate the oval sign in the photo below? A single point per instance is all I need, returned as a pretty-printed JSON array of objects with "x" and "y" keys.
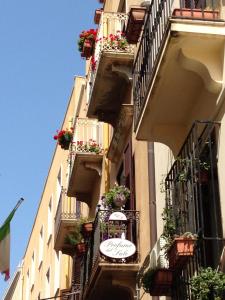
[
  {"x": 117, "y": 216},
  {"x": 117, "y": 248}
]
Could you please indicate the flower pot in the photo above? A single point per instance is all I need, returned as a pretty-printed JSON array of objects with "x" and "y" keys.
[
  {"x": 135, "y": 23},
  {"x": 162, "y": 282},
  {"x": 64, "y": 143},
  {"x": 87, "y": 49},
  {"x": 80, "y": 249},
  {"x": 87, "y": 229},
  {"x": 68, "y": 249},
  {"x": 196, "y": 13},
  {"x": 119, "y": 200},
  {"x": 97, "y": 17},
  {"x": 179, "y": 252}
]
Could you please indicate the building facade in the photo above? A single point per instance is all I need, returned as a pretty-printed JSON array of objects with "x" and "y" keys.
[{"x": 148, "y": 116}]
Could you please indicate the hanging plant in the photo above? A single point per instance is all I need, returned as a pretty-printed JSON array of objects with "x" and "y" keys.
[
  {"x": 86, "y": 42},
  {"x": 64, "y": 138}
]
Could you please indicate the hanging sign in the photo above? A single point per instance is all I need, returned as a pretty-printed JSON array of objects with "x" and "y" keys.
[
  {"x": 117, "y": 216},
  {"x": 117, "y": 248}
]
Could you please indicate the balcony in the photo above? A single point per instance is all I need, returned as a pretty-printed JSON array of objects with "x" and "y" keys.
[
  {"x": 192, "y": 197},
  {"x": 85, "y": 159},
  {"x": 65, "y": 219},
  {"x": 109, "y": 81},
  {"x": 177, "y": 75},
  {"x": 106, "y": 263}
]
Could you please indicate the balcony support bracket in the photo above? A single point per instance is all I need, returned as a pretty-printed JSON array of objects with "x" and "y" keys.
[
  {"x": 94, "y": 166},
  {"x": 124, "y": 71}
]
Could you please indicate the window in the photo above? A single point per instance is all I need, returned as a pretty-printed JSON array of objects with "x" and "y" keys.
[
  {"x": 41, "y": 246},
  {"x": 28, "y": 285},
  {"x": 49, "y": 219},
  {"x": 32, "y": 269},
  {"x": 58, "y": 187},
  {"x": 57, "y": 271},
  {"x": 47, "y": 283}
]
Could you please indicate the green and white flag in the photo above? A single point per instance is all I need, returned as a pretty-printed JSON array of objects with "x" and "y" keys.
[{"x": 5, "y": 243}]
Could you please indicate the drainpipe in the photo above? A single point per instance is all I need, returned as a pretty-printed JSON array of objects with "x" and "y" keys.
[
  {"x": 152, "y": 194},
  {"x": 152, "y": 198}
]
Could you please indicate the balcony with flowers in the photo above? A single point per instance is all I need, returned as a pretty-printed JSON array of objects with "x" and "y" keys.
[
  {"x": 85, "y": 159},
  {"x": 110, "y": 69},
  {"x": 112, "y": 254}
]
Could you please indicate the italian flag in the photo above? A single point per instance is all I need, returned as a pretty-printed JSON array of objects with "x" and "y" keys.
[{"x": 5, "y": 246}]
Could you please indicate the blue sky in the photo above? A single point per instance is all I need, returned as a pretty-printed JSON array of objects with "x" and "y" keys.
[{"x": 38, "y": 61}]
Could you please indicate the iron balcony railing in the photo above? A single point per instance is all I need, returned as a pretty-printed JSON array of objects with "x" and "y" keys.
[
  {"x": 153, "y": 39},
  {"x": 111, "y": 23},
  {"x": 192, "y": 198},
  {"x": 71, "y": 294},
  {"x": 105, "y": 229}
]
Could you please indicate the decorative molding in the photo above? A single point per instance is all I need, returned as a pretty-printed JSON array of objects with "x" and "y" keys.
[
  {"x": 123, "y": 71},
  {"x": 94, "y": 166}
]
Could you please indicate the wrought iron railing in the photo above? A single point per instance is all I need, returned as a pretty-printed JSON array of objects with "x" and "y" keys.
[
  {"x": 105, "y": 229},
  {"x": 71, "y": 294},
  {"x": 110, "y": 24},
  {"x": 153, "y": 39},
  {"x": 66, "y": 210},
  {"x": 192, "y": 198}
]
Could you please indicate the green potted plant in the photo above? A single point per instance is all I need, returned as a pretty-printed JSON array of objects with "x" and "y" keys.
[
  {"x": 208, "y": 284},
  {"x": 178, "y": 248},
  {"x": 157, "y": 282},
  {"x": 75, "y": 241},
  {"x": 181, "y": 248},
  {"x": 117, "y": 196}
]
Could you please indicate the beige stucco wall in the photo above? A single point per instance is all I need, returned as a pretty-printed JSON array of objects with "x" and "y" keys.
[{"x": 60, "y": 273}]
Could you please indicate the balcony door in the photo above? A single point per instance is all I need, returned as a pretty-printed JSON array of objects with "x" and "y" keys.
[{"x": 126, "y": 175}]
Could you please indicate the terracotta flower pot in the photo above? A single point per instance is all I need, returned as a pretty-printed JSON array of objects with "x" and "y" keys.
[
  {"x": 68, "y": 249},
  {"x": 97, "y": 16},
  {"x": 87, "y": 49},
  {"x": 179, "y": 252},
  {"x": 162, "y": 282},
  {"x": 64, "y": 143},
  {"x": 135, "y": 23},
  {"x": 196, "y": 13},
  {"x": 80, "y": 249},
  {"x": 87, "y": 229}
]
